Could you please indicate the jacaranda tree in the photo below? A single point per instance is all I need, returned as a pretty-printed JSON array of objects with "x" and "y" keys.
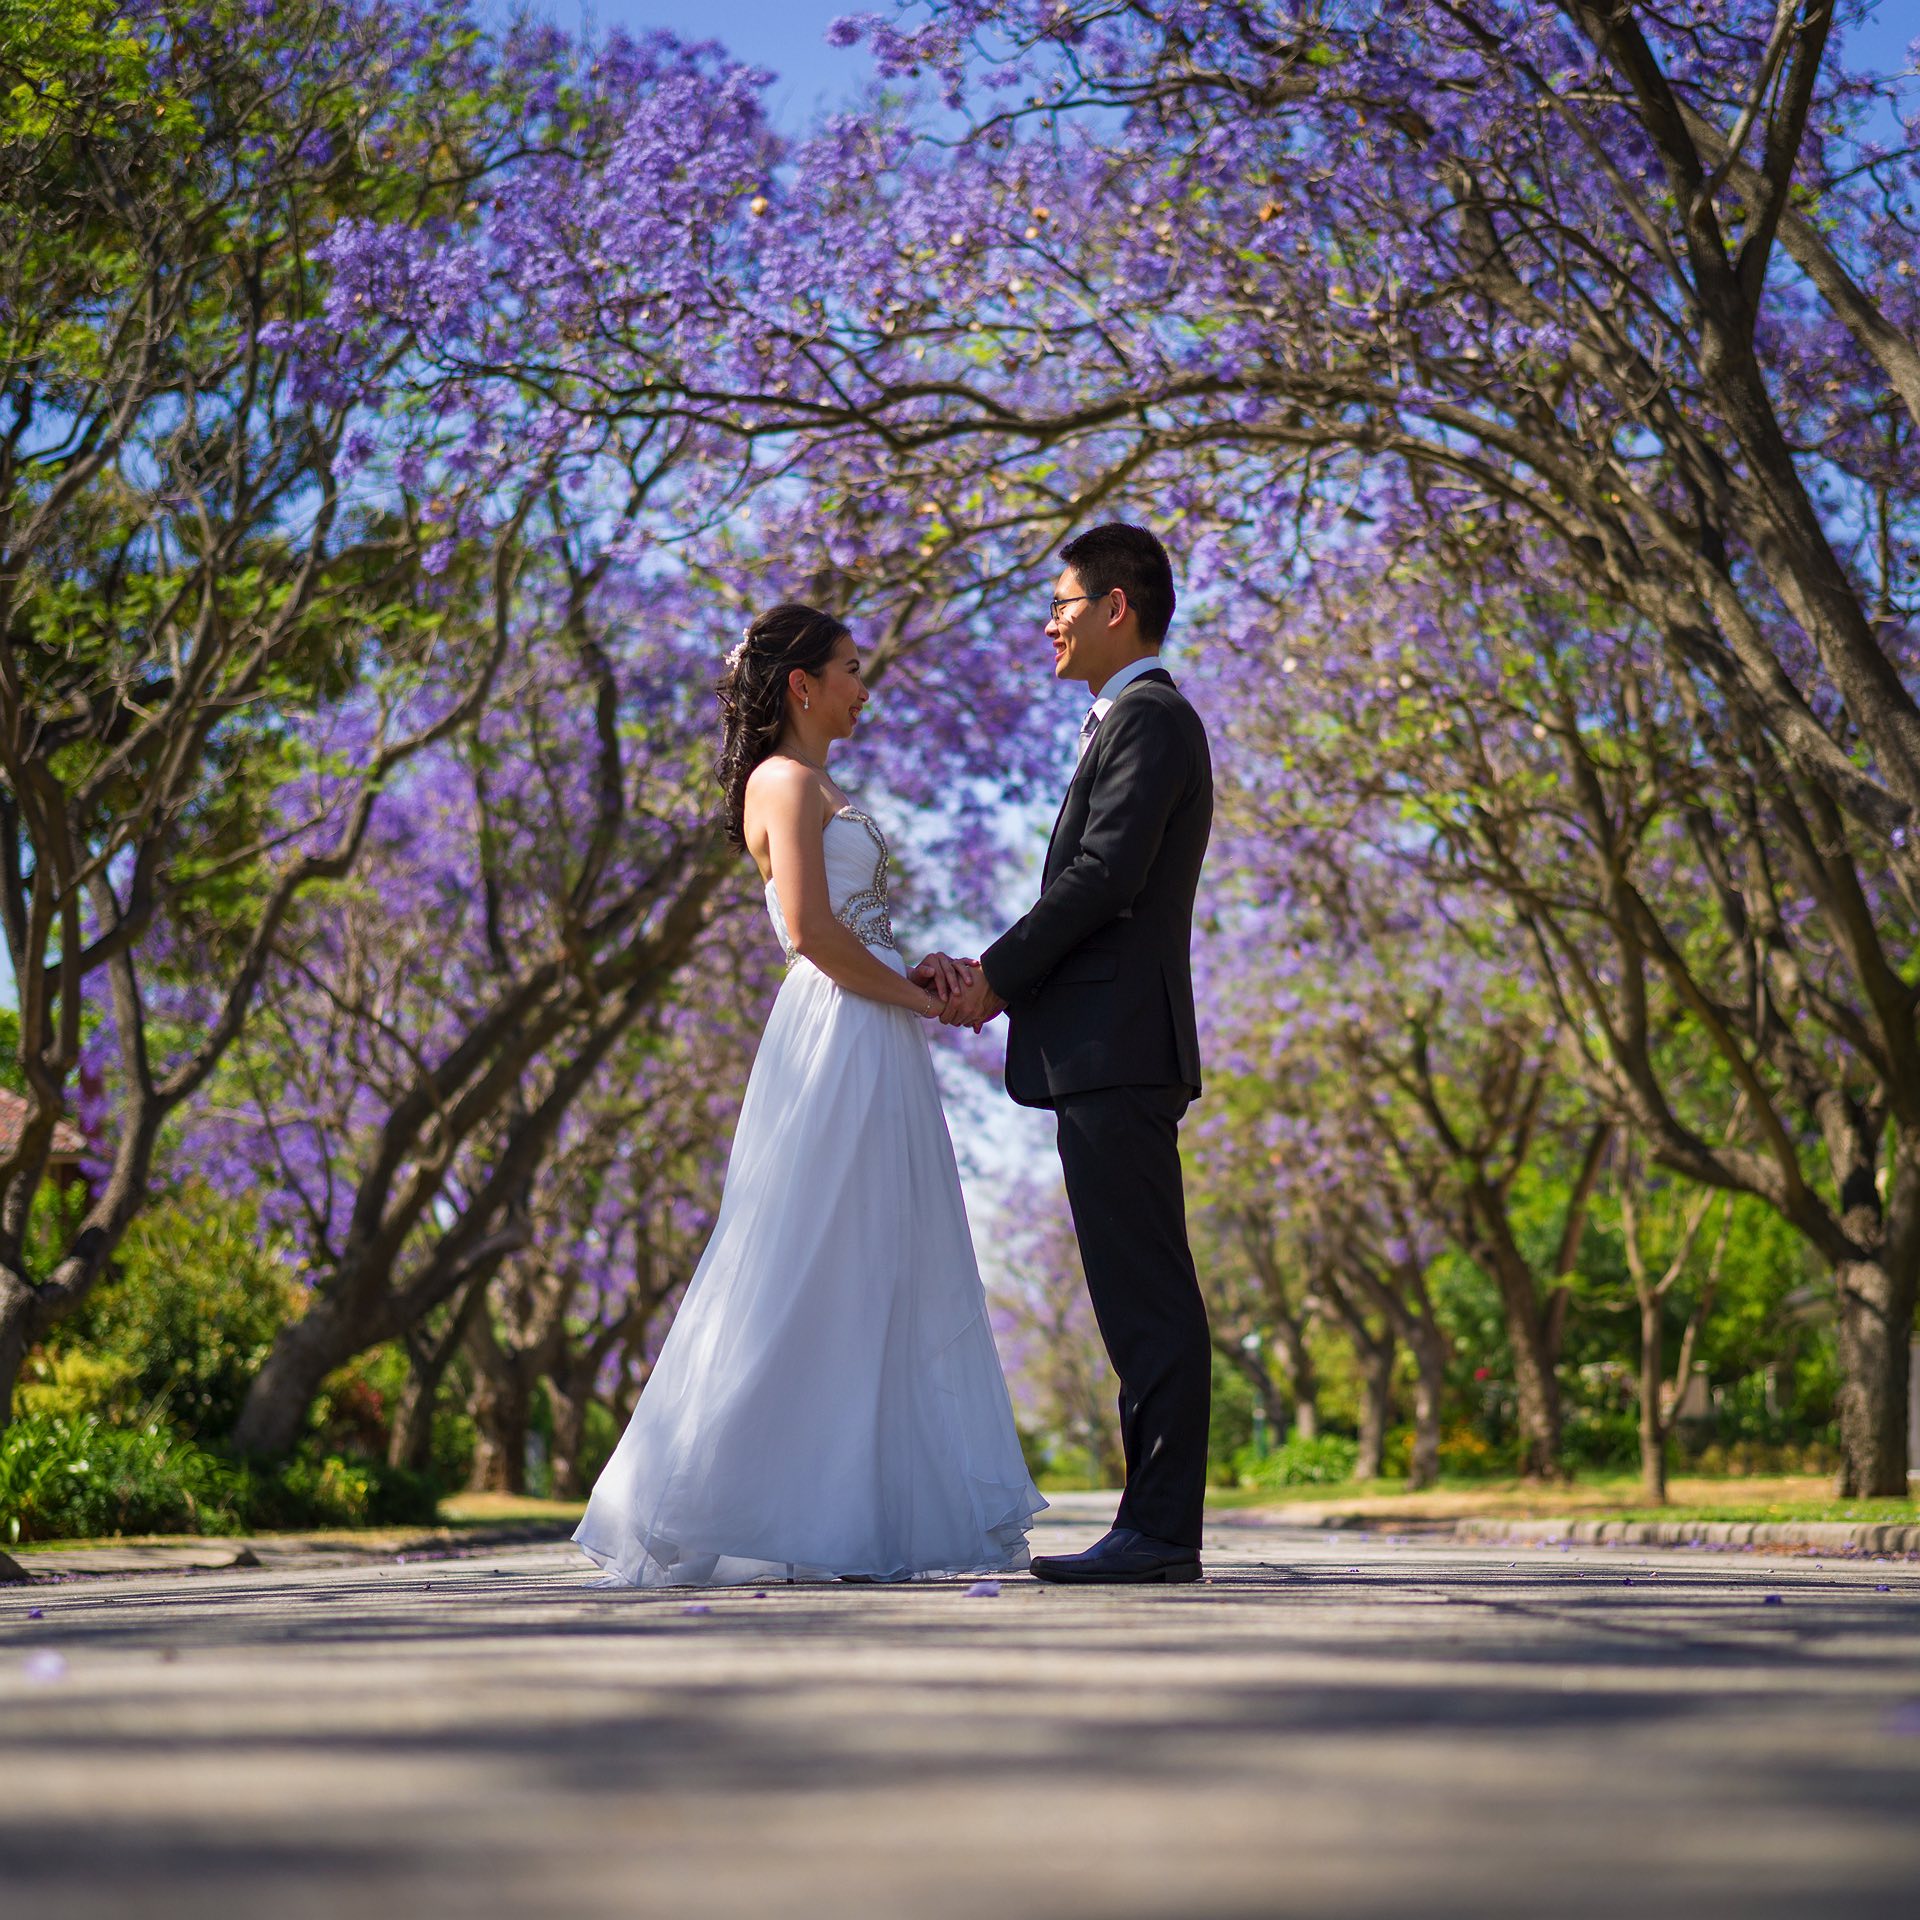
[
  {"x": 1636, "y": 280},
  {"x": 185, "y": 575}
]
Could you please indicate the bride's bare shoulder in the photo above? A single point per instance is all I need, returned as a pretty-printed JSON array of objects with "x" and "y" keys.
[
  {"x": 783, "y": 783},
  {"x": 783, "y": 797}
]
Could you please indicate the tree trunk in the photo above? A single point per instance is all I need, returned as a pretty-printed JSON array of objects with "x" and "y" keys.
[
  {"x": 569, "y": 1399},
  {"x": 1291, "y": 1338},
  {"x": 303, "y": 1353},
  {"x": 1376, "y": 1402},
  {"x": 502, "y": 1409},
  {"x": 411, "y": 1444},
  {"x": 1530, "y": 1336},
  {"x": 410, "y": 1440},
  {"x": 1429, "y": 1387},
  {"x": 1875, "y": 1332},
  {"x": 503, "y": 1413},
  {"x": 1653, "y": 1426},
  {"x": 1267, "y": 1389},
  {"x": 17, "y": 1333}
]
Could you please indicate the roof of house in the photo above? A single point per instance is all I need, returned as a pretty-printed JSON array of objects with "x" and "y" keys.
[{"x": 68, "y": 1142}]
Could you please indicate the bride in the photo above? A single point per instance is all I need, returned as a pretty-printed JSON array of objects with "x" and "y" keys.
[{"x": 828, "y": 1402}]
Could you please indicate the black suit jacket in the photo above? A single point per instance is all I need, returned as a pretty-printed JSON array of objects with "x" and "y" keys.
[{"x": 1098, "y": 978}]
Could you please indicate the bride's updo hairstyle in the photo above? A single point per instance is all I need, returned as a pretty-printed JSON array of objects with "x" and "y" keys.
[{"x": 753, "y": 693}]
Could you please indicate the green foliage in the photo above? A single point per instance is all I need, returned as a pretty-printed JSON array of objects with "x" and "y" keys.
[
  {"x": 1745, "y": 1459},
  {"x": 1604, "y": 1438},
  {"x": 181, "y": 1333},
  {"x": 1465, "y": 1454},
  {"x": 1327, "y": 1460},
  {"x": 63, "y": 1479},
  {"x": 74, "y": 1478},
  {"x": 11, "y": 1078},
  {"x": 352, "y": 1413},
  {"x": 600, "y": 1434},
  {"x": 329, "y": 1491},
  {"x": 1230, "y": 1424}
]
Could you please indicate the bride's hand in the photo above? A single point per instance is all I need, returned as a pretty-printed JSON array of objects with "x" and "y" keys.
[{"x": 941, "y": 975}]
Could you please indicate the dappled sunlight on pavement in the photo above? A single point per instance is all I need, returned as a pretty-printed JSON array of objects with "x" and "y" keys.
[{"x": 1327, "y": 1725}]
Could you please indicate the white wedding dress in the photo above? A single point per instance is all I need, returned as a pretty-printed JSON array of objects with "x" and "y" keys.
[{"x": 828, "y": 1401}]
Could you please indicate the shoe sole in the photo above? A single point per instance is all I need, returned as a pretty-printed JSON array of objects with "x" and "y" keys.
[{"x": 1160, "y": 1577}]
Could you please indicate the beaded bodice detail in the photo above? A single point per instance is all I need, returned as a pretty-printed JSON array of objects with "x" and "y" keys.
[{"x": 856, "y": 855}]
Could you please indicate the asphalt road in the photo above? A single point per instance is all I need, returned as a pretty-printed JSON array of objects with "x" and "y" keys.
[{"x": 1325, "y": 1727}]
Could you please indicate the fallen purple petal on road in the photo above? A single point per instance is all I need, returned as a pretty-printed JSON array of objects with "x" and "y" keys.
[
  {"x": 759, "y": 1596},
  {"x": 699, "y": 1606},
  {"x": 45, "y": 1666},
  {"x": 984, "y": 1590},
  {"x": 38, "y": 1613},
  {"x": 1770, "y": 1600},
  {"x": 1876, "y": 1590}
]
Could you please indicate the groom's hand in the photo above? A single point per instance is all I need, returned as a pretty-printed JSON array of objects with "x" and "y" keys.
[
  {"x": 991, "y": 1005},
  {"x": 976, "y": 1004}
]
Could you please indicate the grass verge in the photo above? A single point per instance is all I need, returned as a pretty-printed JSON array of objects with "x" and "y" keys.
[{"x": 1588, "y": 1497}]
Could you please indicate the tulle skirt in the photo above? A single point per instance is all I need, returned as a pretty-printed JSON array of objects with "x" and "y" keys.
[{"x": 828, "y": 1401}]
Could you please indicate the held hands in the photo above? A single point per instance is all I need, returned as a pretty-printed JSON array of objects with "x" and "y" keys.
[
  {"x": 961, "y": 989},
  {"x": 976, "y": 1004},
  {"x": 942, "y": 977}
]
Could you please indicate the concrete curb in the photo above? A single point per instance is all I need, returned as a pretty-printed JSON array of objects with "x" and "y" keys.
[
  {"x": 198, "y": 1554},
  {"x": 1834, "y": 1536}
]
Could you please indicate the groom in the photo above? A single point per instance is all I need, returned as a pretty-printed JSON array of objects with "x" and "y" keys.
[{"x": 1097, "y": 986}]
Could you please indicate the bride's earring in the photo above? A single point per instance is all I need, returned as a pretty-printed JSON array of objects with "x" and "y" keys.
[{"x": 806, "y": 705}]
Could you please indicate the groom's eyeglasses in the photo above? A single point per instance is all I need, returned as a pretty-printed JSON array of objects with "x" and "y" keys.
[{"x": 1054, "y": 606}]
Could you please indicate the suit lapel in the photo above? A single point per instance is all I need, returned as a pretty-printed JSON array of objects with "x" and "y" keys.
[{"x": 1085, "y": 763}]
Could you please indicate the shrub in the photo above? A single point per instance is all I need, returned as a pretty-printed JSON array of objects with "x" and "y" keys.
[
  {"x": 178, "y": 1331},
  {"x": 1324, "y": 1461},
  {"x": 1745, "y": 1458},
  {"x": 75, "y": 1383},
  {"x": 1230, "y": 1419},
  {"x": 64, "y": 1479},
  {"x": 1468, "y": 1453},
  {"x": 327, "y": 1490},
  {"x": 1605, "y": 1438}
]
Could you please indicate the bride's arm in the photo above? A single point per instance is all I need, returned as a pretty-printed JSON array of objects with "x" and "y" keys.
[{"x": 789, "y": 805}]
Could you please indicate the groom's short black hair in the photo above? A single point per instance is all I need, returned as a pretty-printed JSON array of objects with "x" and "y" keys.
[{"x": 1130, "y": 558}]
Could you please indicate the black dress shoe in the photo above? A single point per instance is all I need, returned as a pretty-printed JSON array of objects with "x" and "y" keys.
[{"x": 1123, "y": 1558}]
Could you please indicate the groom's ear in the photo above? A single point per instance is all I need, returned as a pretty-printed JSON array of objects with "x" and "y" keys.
[{"x": 1118, "y": 608}]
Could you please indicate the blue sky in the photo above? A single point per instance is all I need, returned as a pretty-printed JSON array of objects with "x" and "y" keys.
[{"x": 789, "y": 37}]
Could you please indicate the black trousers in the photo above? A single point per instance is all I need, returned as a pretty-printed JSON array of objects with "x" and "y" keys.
[{"x": 1120, "y": 1151}]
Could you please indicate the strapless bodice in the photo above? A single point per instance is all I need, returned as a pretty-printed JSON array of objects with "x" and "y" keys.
[{"x": 856, "y": 852}]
